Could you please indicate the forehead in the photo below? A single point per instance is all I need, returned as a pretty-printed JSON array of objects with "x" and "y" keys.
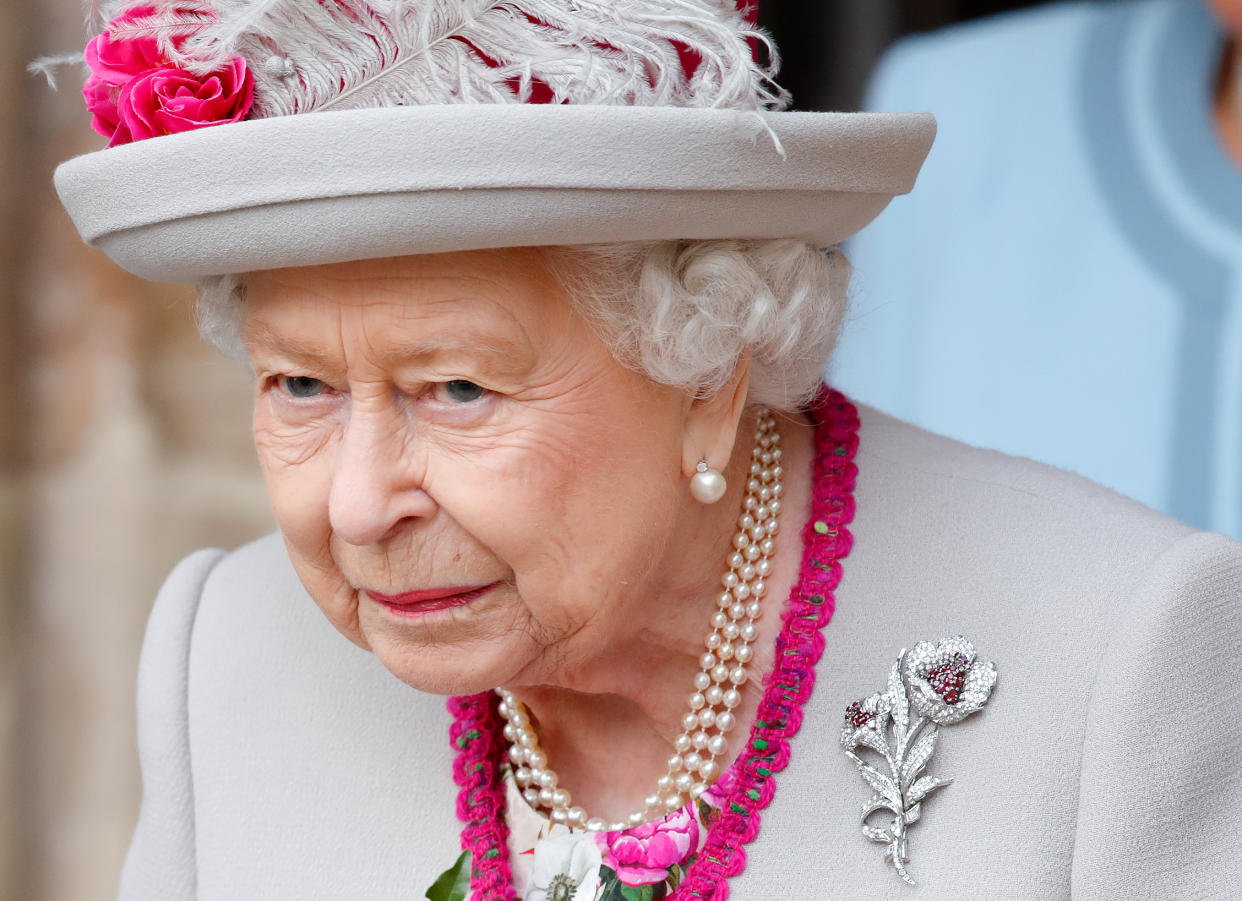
[{"x": 503, "y": 294}]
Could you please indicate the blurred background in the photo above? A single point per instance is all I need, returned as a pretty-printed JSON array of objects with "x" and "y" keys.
[{"x": 124, "y": 445}]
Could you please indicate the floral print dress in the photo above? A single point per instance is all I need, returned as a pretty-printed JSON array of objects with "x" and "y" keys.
[{"x": 552, "y": 862}]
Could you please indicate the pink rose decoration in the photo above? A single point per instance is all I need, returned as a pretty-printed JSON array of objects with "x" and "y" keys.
[
  {"x": 717, "y": 794},
  {"x": 134, "y": 92},
  {"x": 643, "y": 855}
]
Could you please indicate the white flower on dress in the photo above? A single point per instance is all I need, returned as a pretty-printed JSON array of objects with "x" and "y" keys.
[
  {"x": 946, "y": 682},
  {"x": 566, "y": 868}
]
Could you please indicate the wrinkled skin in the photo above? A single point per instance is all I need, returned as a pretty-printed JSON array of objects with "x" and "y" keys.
[{"x": 451, "y": 421}]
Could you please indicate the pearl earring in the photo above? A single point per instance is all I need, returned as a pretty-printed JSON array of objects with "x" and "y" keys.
[{"x": 707, "y": 485}]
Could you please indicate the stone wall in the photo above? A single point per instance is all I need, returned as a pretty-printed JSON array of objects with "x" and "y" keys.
[{"x": 124, "y": 445}]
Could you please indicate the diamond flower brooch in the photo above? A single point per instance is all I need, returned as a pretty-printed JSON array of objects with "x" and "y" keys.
[{"x": 930, "y": 686}]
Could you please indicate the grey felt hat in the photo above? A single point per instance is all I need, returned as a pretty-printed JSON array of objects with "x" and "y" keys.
[{"x": 361, "y": 142}]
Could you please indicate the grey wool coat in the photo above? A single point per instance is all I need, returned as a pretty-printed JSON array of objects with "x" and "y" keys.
[{"x": 281, "y": 762}]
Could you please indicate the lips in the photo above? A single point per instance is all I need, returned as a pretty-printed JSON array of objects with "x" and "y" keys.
[{"x": 430, "y": 600}]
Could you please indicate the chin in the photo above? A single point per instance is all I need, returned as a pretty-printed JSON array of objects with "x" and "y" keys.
[{"x": 464, "y": 668}]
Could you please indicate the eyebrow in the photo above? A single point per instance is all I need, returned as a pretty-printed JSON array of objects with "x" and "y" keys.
[{"x": 260, "y": 334}]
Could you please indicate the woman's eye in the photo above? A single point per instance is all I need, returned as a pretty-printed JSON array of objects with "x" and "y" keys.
[
  {"x": 458, "y": 391},
  {"x": 301, "y": 386}
]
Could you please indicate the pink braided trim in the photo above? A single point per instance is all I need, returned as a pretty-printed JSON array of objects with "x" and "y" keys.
[
  {"x": 475, "y": 734},
  {"x": 800, "y": 644}
]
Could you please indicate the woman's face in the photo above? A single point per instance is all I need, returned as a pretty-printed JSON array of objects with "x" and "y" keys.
[{"x": 469, "y": 485}]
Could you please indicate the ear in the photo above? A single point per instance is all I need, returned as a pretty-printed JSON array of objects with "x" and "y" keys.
[{"x": 712, "y": 422}]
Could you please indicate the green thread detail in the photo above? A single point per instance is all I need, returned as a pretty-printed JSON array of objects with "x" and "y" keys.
[
  {"x": 753, "y": 794},
  {"x": 738, "y": 808},
  {"x": 821, "y": 527},
  {"x": 763, "y": 771},
  {"x": 816, "y": 599},
  {"x": 466, "y": 737},
  {"x": 761, "y": 744},
  {"x": 492, "y": 852},
  {"x": 840, "y": 452}
]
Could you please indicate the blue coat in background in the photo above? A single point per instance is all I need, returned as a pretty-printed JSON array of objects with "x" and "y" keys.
[{"x": 1065, "y": 282}]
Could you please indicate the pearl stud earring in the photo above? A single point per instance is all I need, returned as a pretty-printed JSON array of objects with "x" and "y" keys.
[{"x": 707, "y": 485}]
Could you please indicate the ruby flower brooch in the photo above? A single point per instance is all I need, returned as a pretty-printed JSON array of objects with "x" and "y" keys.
[{"x": 931, "y": 686}]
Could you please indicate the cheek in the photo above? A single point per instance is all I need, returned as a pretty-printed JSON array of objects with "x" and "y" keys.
[
  {"x": 297, "y": 469},
  {"x": 578, "y": 504}
]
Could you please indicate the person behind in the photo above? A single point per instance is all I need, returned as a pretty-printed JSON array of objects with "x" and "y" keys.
[
  {"x": 1066, "y": 283},
  {"x": 586, "y": 586}
]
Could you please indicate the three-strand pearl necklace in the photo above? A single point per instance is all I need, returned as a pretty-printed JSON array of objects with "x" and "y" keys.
[{"x": 705, "y": 726}]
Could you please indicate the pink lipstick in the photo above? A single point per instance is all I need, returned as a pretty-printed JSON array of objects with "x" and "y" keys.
[{"x": 430, "y": 600}]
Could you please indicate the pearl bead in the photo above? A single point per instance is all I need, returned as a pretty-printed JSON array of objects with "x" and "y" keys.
[
  {"x": 672, "y": 803},
  {"x": 617, "y": 826},
  {"x": 729, "y": 579},
  {"x": 751, "y": 502},
  {"x": 749, "y": 632},
  {"x": 725, "y": 651},
  {"x": 697, "y": 789},
  {"x": 719, "y": 619},
  {"x": 560, "y": 797},
  {"x": 708, "y": 769},
  {"x": 531, "y": 795},
  {"x": 577, "y": 816},
  {"x": 697, "y": 700},
  {"x": 762, "y": 512},
  {"x": 682, "y": 743},
  {"x": 754, "y": 486},
  {"x": 724, "y": 599},
  {"x": 774, "y": 505},
  {"x": 758, "y": 533},
  {"x": 508, "y": 732},
  {"x": 763, "y": 568},
  {"x": 522, "y": 776},
  {"x": 707, "y": 718},
  {"x": 537, "y": 759},
  {"x": 547, "y": 779},
  {"x": 690, "y": 721},
  {"x": 771, "y": 526},
  {"x": 740, "y": 540},
  {"x": 765, "y": 494},
  {"x": 776, "y": 453},
  {"x": 637, "y": 818},
  {"x": 767, "y": 546},
  {"x": 559, "y": 815},
  {"x": 736, "y": 559},
  {"x": 747, "y": 572},
  {"x": 683, "y": 782},
  {"x": 754, "y": 552},
  {"x": 717, "y": 745},
  {"x": 720, "y": 673},
  {"x": 743, "y": 653},
  {"x": 516, "y": 755},
  {"x": 693, "y": 760},
  {"x": 738, "y": 676},
  {"x": 699, "y": 740},
  {"x": 675, "y": 763},
  {"x": 526, "y": 740},
  {"x": 651, "y": 802},
  {"x": 702, "y": 681},
  {"x": 732, "y": 697},
  {"x": 595, "y": 824},
  {"x": 733, "y": 630},
  {"x": 664, "y": 783},
  {"x": 715, "y": 695},
  {"x": 708, "y": 487},
  {"x": 707, "y": 661},
  {"x": 753, "y": 609},
  {"x": 736, "y": 611},
  {"x": 712, "y": 641},
  {"x": 741, "y": 592}
]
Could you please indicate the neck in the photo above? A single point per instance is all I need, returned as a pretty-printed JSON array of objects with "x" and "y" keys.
[
  {"x": 608, "y": 720},
  {"x": 1228, "y": 101}
]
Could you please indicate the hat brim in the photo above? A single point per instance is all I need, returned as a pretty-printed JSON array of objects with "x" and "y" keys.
[{"x": 358, "y": 184}]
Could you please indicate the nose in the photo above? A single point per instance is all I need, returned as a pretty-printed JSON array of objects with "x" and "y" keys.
[{"x": 377, "y": 480}]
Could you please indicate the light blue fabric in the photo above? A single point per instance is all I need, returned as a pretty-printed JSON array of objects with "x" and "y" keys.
[{"x": 1065, "y": 282}]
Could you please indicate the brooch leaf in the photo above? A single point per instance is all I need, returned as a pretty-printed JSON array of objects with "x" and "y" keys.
[{"x": 931, "y": 686}]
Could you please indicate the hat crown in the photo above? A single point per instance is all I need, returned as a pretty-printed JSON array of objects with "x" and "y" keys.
[{"x": 317, "y": 55}]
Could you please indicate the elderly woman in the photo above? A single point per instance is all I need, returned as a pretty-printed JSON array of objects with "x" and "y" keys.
[{"x": 538, "y": 405}]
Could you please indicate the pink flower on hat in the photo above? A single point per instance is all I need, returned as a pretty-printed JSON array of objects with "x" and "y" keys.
[
  {"x": 643, "y": 855},
  {"x": 135, "y": 92}
]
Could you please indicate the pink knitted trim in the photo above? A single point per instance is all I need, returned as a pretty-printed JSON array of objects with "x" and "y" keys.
[{"x": 826, "y": 539}]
